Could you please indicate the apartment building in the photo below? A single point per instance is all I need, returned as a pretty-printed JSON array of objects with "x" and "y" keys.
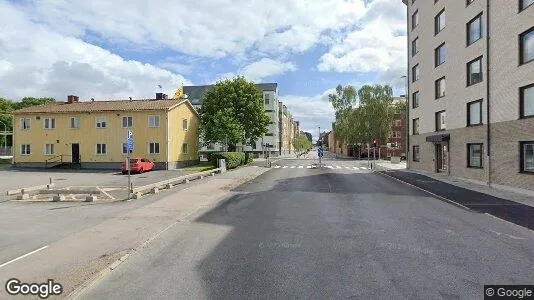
[
  {"x": 269, "y": 143},
  {"x": 92, "y": 134},
  {"x": 471, "y": 87},
  {"x": 289, "y": 129}
]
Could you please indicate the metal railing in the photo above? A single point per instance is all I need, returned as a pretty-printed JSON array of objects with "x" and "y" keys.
[{"x": 54, "y": 161}]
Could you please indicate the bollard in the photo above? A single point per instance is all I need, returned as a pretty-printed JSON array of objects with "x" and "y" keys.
[
  {"x": 201, "y": 176},
  {"x": 168, "y": 186},
  {"x": 154, "y": 190},
  {"x": 186, "y": 180}
]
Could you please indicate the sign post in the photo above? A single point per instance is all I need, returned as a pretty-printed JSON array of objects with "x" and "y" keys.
[{"x": 129, "y": 149}]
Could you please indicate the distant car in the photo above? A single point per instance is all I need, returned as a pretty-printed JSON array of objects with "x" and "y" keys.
[{"x": 138, "y": 165}]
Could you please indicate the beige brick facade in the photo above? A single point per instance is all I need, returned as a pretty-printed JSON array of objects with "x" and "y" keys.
[{"x": 500, "y": 85}]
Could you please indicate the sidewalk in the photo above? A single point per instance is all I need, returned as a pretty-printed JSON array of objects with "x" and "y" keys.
[
  {"x": 483, "y": 201},
  {"x": 74, "y": 259}
]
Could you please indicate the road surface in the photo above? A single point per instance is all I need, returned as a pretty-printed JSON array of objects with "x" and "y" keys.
[{"x": 326, "y": 233}]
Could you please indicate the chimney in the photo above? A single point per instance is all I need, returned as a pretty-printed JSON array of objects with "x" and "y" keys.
[
  {"x": 72, "y": 99},
  {"x": 161, "y": 96}
]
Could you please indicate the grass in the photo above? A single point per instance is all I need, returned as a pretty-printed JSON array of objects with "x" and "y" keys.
[
  {"x": 5, "y": 163},
  {"x": 203, "y": 166}
]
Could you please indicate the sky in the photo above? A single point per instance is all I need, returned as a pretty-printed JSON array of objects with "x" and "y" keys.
[{"x": 126, "y": 48}]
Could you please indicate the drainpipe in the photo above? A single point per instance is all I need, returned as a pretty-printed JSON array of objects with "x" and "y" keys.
[{"x": 488, "y": 131}]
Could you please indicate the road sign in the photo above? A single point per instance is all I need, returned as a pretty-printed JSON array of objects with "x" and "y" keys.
[
  {"x": 129, "y": 144},
  {"x": 130, "y": 134},
  {"x": 320, "y": 152}
]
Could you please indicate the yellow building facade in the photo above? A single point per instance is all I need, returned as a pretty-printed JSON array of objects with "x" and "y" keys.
[{"x": 93, "y": 134}]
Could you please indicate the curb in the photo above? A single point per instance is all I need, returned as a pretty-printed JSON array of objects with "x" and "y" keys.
[{"x": 425, "y": 191}]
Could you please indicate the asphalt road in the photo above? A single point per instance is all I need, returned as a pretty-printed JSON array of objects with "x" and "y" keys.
[{"x": 326, "y": 233}]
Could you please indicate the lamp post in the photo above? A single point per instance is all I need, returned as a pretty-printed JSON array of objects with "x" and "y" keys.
[{"x": 407, "y": 116}]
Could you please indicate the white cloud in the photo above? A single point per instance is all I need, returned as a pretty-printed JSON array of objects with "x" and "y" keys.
[
  {"x": 312, "y": 112},
  {"x": 37, "y": 61},
  {"x": 266, "y": 67},
  {"x": 379, "y": 45},
  {"x": 211, "y": 28}
]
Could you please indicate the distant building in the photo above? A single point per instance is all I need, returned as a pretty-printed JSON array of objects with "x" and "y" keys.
[{"x": 92, "y": 134}]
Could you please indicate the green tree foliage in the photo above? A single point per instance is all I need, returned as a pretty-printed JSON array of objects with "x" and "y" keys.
[
  {"x": 309, "y": 136},
  {"x": 302, "y": 143},
  {"x": 370, "y": 120},
  {"x": 343, "y": 99},
  {"x": 233, "y": 112},
  {"x": 31, "y": 101}
]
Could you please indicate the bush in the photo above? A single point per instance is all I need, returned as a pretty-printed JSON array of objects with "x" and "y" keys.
[
  {"x": 233, "y": 159},
  {"x": 249, "y": 158}
]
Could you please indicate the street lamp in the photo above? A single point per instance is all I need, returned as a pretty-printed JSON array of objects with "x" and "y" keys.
[{"x": 407, "y": 136}]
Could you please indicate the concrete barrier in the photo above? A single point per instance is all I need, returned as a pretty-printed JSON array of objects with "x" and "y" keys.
[
  {"x": 154, "y": 188},
  {"x": 29, "y": 189},
  {"x": 59, "y": 195}
]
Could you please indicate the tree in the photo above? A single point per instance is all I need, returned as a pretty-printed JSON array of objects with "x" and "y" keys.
[
  {"x": 233, "y": 112},
  {"x": 309, "y": 136},
  {"x": 31, "y": 101},
  {"x": 342, "y": 102},
  {"x": 6, "y": 107},
  {"x": 302, "y": 143}
]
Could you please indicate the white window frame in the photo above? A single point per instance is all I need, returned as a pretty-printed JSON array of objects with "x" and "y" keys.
[
  {"x": 128, "y": 124},
  {"x": 101, "y": 148},
  {"x": 76, "y": 121},
  {"x": 186, "y": 127},
  {"x": 25, "y": 149},
  {"x": 50, "y": 147},
  {"x": 100, "y": 120},
  {"x": 153, "y": 118},
  {"x": 23, "y": 123},
  {"x": 153, "y": 145},
  {"x": 51, "y": 121}
]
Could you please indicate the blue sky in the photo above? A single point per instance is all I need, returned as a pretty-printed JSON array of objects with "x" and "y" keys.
[{"x": 126, "y": 48}]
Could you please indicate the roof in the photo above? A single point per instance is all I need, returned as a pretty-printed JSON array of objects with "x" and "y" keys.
[
  {"x": 113, "y": 105},
  {"x": 195, "y": 93}
]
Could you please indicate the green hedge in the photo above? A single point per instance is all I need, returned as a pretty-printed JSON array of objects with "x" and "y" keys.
[{"x": 233, "y": 159}]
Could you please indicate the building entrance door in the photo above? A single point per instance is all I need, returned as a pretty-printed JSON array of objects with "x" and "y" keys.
[{"x": 441, "y": 157}]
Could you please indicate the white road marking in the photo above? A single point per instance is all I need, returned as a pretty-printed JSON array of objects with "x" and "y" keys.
[
  {"x": 363, "y": 168},
  {"x": 309, "y": 167},
  {"x": 292, "y": 167},
  {"x": 285, "y": 167},
  {"x": 348, "y": 168},
  {"x": 276, "y": 167},
  {"x": 514, "y": 237},
  {"x": 330, "y": 167},
  {"x": 355, "y": 168},
  {"x": 21, "y": 257},
  {"x": 104, "y": 192},
  {"x": 338, "y": 167},
  {"x": 301, "y": 167}
]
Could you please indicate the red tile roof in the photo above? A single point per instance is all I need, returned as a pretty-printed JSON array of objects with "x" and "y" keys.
[{"x": 114, "y": 105}]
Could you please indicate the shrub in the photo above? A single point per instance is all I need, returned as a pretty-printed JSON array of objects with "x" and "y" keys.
[
  {"x": 233, "y": 159},
  {"x": 249, "y": 158}
]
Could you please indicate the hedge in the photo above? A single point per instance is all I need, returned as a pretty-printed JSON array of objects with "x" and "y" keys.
[{"x": 233, "y": 159}]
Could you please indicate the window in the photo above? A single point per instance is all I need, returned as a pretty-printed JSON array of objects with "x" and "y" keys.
[
  {"x": 440, "y": 54},
  {"x": 127, "y": 122},
  {"x": 101, "y": 122},
  {"x": 49, "y": 123},
  {"x": 526, "y": 98},
  {"x": 439, "y": 22},
  {"x": 415, "y": 100},
  {"x": 474, "y": 30},
  {"x": 184, "y": 148},
  {"x": 526, "y": 46},
  {"x": 125, "y": 148},
  {"x": 415, "y": 126},
  {"x": 101, "y": 149},
  {"x": 153, "y": 148},
  {"x": 185, "y": 124},
  {"x": 467, "y": 2},
  {"x": 474, "y": 155},
  {"x": 211, "y": 146},
  {"x": 474, "y": 113},
  {"x": 25, "y": 149},
  {"x": 416, "y": 155},
  {"x": 74, "y": 122},
  {"x": 25, "y": 123},
  {"x": 266, "y": 96},
  {"x": 474, "y": 71},
  {"x": 440, "y": 87},
  {"x": 524, "y": 4},
  {"x": 49, "y": 149},
  {"x": 153, "y": 121},
  {"x": 440, "y": 121},
  {"x": 396, "y": 134},
  {"x": 415, "y": 19},
  {"x": 415, "y": 46},
  {"x": 415, "y": 73},
  {"x": 527, "y": 156}
]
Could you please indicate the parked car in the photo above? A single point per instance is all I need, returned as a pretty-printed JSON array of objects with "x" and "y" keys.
[{"x": 138, "y": 165}]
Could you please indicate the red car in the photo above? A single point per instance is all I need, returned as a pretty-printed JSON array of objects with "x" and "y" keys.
[{"x": 138, "y": 165}]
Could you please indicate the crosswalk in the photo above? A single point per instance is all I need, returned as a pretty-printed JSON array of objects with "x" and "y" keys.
[{"x": 336, "y": 167}]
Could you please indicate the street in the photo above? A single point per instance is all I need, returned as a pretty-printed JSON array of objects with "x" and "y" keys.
[{"x": 326, "y": 233}]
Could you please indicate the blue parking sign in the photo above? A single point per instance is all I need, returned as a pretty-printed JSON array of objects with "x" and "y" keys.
[
  {"x": 320, "y": 152},
  {"x": 129, "y": 144}
]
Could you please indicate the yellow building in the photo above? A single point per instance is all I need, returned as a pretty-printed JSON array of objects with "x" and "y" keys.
[{"x": 93, "y": 134}]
